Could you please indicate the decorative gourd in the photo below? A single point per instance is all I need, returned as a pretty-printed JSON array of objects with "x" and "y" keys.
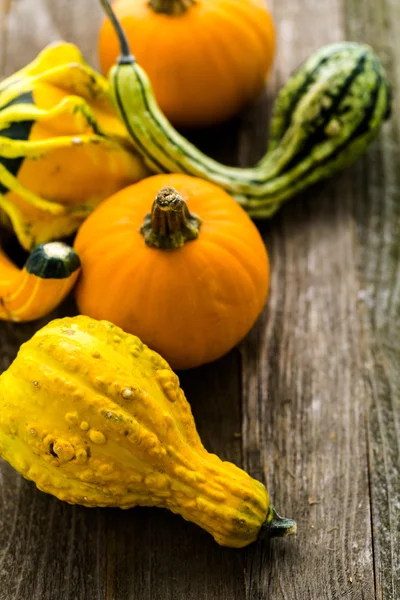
[
  {"x": 324, "y": 118},
  {"x": 189, "y": 279},
  {"x": 47, "y": 278},
  {"x": 94, "y": 417},
  {"x": 206, "y": 59},
  {"x": 63, "y": 148}
]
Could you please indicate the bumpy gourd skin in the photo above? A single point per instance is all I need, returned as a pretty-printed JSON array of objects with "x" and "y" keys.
[{"x": 94, "y": 417}]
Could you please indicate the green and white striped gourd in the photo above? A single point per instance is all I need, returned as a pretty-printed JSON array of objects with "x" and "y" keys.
[{"x": 325, "y": 116}]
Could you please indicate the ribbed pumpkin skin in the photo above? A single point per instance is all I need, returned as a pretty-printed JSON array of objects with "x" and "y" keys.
[
  {"x": 94, "y": 417},
  {"x": 206, "y": 64},
  {"x": 192, "y": 304}
]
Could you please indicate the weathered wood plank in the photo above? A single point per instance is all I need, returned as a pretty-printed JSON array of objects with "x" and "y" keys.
[
  {"x": 305, "y": 399},
  {"x": 28, "y": 25},
  {"x": 376, "y": 187}
]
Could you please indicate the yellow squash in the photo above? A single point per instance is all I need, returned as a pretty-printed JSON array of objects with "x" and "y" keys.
[
  {"x": 95, "y": 417},
  {"x": 63, "y": 148}
]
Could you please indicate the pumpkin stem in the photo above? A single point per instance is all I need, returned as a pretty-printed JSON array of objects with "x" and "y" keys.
[
  {"x": 171, "y": 7},
  {"x": 276, "y": 526},
  {"x": 126, "y": 57},
  {"x": 170, "y": 224}
]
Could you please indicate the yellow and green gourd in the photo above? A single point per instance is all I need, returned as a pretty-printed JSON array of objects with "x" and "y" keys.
[
  {"x": 94, "y": 417},
  {"x": 63, "y": 148},
  {"x": 325, "y": 116},
  {"x": 47, "y": 277}
]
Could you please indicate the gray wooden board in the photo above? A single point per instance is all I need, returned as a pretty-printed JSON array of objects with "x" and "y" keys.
[{"x": 313, "y": 390}]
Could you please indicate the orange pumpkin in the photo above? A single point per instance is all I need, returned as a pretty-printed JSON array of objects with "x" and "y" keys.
[
  {"x": 187, "y": 273},
  {"x": 206, "y": 59}
]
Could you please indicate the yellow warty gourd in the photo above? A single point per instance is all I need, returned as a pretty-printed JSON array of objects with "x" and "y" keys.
[{"x": 93, "y": 416}]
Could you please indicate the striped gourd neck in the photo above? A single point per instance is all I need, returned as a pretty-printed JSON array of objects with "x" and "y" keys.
[
  {"x": 303, "y": 149},
  {"x": 324, "y": 118}
]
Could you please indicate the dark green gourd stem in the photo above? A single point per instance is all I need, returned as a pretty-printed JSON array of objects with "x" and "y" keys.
[
  {"x": 170, "y": 224},
  {"x": 171, "y": 7},
  {"x": 54, "y": 260},
  {"x": 126, "y": 56},
  {"x": 276, "y": 526}
]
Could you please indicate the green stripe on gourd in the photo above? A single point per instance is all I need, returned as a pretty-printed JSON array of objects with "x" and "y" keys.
[
  {"x": 298, "y": 84},
  {"x": 324, "y": 118},
  {"x": 15, "y": 130},
  {"x": 17, "y": 117}
]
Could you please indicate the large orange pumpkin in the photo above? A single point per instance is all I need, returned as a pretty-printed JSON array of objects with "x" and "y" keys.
[
  {"x": 206, "y": 59},
  {"x": 188, "y": 272}
]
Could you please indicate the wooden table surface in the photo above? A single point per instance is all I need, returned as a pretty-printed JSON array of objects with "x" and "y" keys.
[{"x": 309, "y": 402}]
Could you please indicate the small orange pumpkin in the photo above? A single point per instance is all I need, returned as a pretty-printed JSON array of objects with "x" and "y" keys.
[
  {"x": 206, "y": 59},
  {"x": 187, "y": 273}
]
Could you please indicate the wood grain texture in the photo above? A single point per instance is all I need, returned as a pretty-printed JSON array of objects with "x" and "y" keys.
[
  {"x": 376, "y": 186},
  {"x": 314, "y": 390},
  {"x": 304, "y": 396}
]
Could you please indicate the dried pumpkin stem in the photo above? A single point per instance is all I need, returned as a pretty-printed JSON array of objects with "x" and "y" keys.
[
  {"x": 171, "y": 7},
  {"x": 170, "y": 224}
]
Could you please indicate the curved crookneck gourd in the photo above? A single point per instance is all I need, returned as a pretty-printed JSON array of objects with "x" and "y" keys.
[
  {"x": 95, "y": 417},
  {"x": 46, "y": 279},
  {"x": 324, "y": 118}
]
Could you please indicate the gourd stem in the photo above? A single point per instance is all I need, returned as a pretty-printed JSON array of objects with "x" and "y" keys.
[
  {"x": 54, "y": 260},
  {"x": 170, "y": 224},
  {"x": 126, "y": 56},
  {"x": 276, "y": 526},
  {"x": 171, "y": 7}
]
